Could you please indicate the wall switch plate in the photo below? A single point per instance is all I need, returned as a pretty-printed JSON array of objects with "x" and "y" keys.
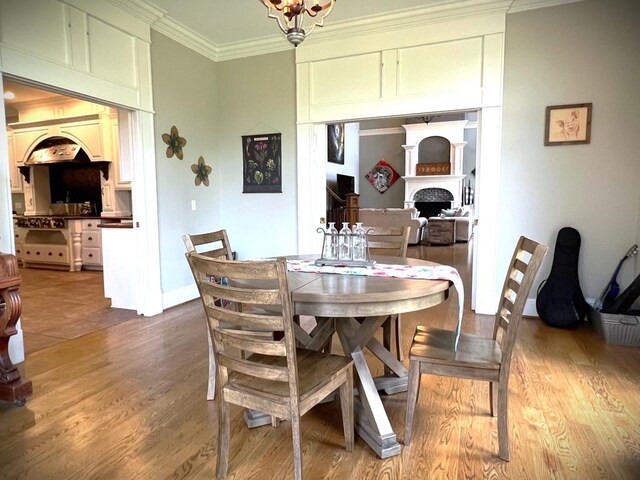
[{"x": 193, "y": 205}]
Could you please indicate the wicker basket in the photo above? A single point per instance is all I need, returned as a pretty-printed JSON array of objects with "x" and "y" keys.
[{"x": 617, "y": 329}]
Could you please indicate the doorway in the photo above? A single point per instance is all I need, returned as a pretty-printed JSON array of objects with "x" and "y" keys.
[
  {"x": 80, "y": 303},
  {"x": 368, "y": 141}
]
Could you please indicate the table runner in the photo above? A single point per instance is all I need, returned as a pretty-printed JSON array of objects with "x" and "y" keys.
[{"x": 419, "y": 272}]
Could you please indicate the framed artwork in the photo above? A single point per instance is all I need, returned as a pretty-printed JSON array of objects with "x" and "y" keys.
[
  {"x": 568, "y": 124},
  {"x": 335, "y": 143},
  {"x": 382, "y": 176},
  {"x": 262, "y": 163}
]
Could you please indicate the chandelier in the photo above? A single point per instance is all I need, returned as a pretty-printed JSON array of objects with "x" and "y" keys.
[{"x": 290, "y": 15}]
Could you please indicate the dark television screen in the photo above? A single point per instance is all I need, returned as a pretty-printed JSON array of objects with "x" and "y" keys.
[{"x": 346, "y": 184}]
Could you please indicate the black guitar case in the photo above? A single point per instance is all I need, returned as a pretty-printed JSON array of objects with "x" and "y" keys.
[{"x": 560, "y": 302}]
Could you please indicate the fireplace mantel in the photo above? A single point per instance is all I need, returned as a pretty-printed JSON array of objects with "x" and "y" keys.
[
  {"x": 452, "y": 183},
  {"x": 415, "y": 134}
]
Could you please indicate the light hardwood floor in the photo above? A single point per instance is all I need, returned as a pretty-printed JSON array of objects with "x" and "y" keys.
[{"x": 128, "y": 402}]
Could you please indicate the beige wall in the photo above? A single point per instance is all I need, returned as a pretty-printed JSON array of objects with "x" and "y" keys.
[
  {"x": 582, "y": 52},
  {"x": 184, "y": 95},
  {"x": 256, "y": 96}
]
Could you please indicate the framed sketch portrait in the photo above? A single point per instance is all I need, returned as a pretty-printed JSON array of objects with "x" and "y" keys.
[
  {"x": 335, "y": 143},
  {"x": 568, "y": 124}
]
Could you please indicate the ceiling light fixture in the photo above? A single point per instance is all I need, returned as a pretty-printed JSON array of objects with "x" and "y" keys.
[
  {"x": 290, "y": 15},
  {"x": 9, "y": 95}
]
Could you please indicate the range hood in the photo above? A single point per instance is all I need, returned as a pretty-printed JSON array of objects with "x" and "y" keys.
[
  {"x": 60, "y": 150},
  {"x": 57, "y": 150}
]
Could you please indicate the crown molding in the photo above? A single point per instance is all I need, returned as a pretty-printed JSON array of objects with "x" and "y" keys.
[
  {"x": 185, "y": 36},
  {"x": 142, "y": 10},
  {"x": 524, "y": 5},
  {"x": 250, "y": 48},
  {"x": 445, "y": 10}
]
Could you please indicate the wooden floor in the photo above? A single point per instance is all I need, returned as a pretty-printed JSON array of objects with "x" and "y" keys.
[
  {"x": 127, "y": 401},
  {"x": 61, "y": 305}
]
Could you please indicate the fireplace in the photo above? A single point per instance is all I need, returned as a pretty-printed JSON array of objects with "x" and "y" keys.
[
  {"x": 451, "y": 132},
  {"x": 431, "y": 209}
]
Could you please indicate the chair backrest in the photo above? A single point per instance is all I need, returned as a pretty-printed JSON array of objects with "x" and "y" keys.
[
  {"x": 522, "y": 270},
  {"x": 261, "y": 283},
  {"x": 212, "y": 244},
  {"x": 391, "y": 241}
]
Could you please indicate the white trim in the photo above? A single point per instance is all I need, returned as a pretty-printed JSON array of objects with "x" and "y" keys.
[
  {"x": 382, "y": 131},
  {"x": 159, "y": 20},
  {"x": 178, "y": 296},
  {"x": 185, "y": 36},
  {"x": 530, "y": 308},
  {"x": 523, "y": 5},
  {"x": 144, "y": 199}
]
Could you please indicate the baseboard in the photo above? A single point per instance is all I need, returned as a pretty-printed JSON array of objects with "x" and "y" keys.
[
  {"x": 530, "y": 308},
  {"x": 179, "y": 295}
]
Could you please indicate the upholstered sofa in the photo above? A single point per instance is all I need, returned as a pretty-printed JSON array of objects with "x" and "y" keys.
[
  {"x": 463, "y": 217},
  {"x": 392, "y": 217}
]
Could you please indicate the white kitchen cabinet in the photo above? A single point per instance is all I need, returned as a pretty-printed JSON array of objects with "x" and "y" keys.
[
  {"x": 19, "y": 234},
  {"x": 25, "y": 137},
  {"x": 91, "y": 244},
  {"x": 120, "y": 267},
  {"x": 37, "y": 192},
  {"x": 15, "y": 178}
]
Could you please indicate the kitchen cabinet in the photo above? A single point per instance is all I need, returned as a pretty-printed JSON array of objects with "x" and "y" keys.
[
  {"x": 91, "y": 245},
  {"x": 19, "y": 235},
  {"x": 93, "y": 132},
  {"x": 15, "y": 178},
  {"x": 25, "y": 137}
]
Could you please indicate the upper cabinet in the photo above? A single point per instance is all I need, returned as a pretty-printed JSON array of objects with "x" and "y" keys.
[{"x": 68, "y": 44}]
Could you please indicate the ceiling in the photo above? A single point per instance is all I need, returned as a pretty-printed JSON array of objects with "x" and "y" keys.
[
  {"x": 222, "y": 30},
  {"x": 244, "y": 20}
]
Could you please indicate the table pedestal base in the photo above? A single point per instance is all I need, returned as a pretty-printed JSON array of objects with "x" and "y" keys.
[
  {"x": 16, "y": 391},
  {"x": 385, "y": 446}
]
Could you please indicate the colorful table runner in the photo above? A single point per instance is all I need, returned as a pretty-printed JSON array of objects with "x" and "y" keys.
[{"x": 420, "y": 272}]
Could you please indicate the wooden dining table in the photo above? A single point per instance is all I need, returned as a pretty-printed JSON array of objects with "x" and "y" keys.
[{"x": 354, "y": 307}]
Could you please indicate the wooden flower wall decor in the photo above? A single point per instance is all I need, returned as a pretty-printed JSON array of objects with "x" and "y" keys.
[
  {"x": 175, "y": 143},
  {"x": 202, "y": 171}
]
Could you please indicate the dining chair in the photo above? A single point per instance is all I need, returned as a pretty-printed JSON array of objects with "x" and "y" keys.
[
  {"x": 477, "y": 357},
  {"x": 391, "y": 241},
  {"x": 215, "y": 245},
  {"x": 273, "y": 376}
]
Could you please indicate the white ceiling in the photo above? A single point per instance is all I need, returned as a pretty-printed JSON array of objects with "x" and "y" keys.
[
  {"x": 223, "y": 24},
  {"x": 242, "y": 20}
]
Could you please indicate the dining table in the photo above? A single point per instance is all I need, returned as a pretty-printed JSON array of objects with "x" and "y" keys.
[{"x": 354, "y": 305}]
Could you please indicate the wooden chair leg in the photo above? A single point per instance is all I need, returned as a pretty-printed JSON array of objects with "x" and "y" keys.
[
  {"x": 211, "y": 384},
  {"x": 492, "y": 398},
  {"x": 346, "y": 406},
  {"x": 412, "y": 399},
  {"x": 297, "y": 451},
  {"x": 503, "y": 421},
  {"x": 223, "y": 439}
]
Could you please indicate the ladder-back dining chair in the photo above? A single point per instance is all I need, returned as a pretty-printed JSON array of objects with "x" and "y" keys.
[
  {"x": 273, "y": 376},
  {"x": 391, "y": 241},
  {"x": 215, "y": 245},
  {"x": 478, "y": 357}
]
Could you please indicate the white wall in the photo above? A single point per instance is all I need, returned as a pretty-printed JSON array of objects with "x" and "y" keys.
[
  {"x": 187, "y": 101},
  {"x": 582, "y": 52},
  {"x": 259, "y": 224}
]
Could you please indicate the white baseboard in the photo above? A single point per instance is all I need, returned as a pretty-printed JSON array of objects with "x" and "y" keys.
[
  {"x": 530, "y": 308},
  {"x": 179, "y": 295}
]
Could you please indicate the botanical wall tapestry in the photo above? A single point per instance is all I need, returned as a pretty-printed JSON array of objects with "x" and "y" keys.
[{"x": 262, "y": 163}]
